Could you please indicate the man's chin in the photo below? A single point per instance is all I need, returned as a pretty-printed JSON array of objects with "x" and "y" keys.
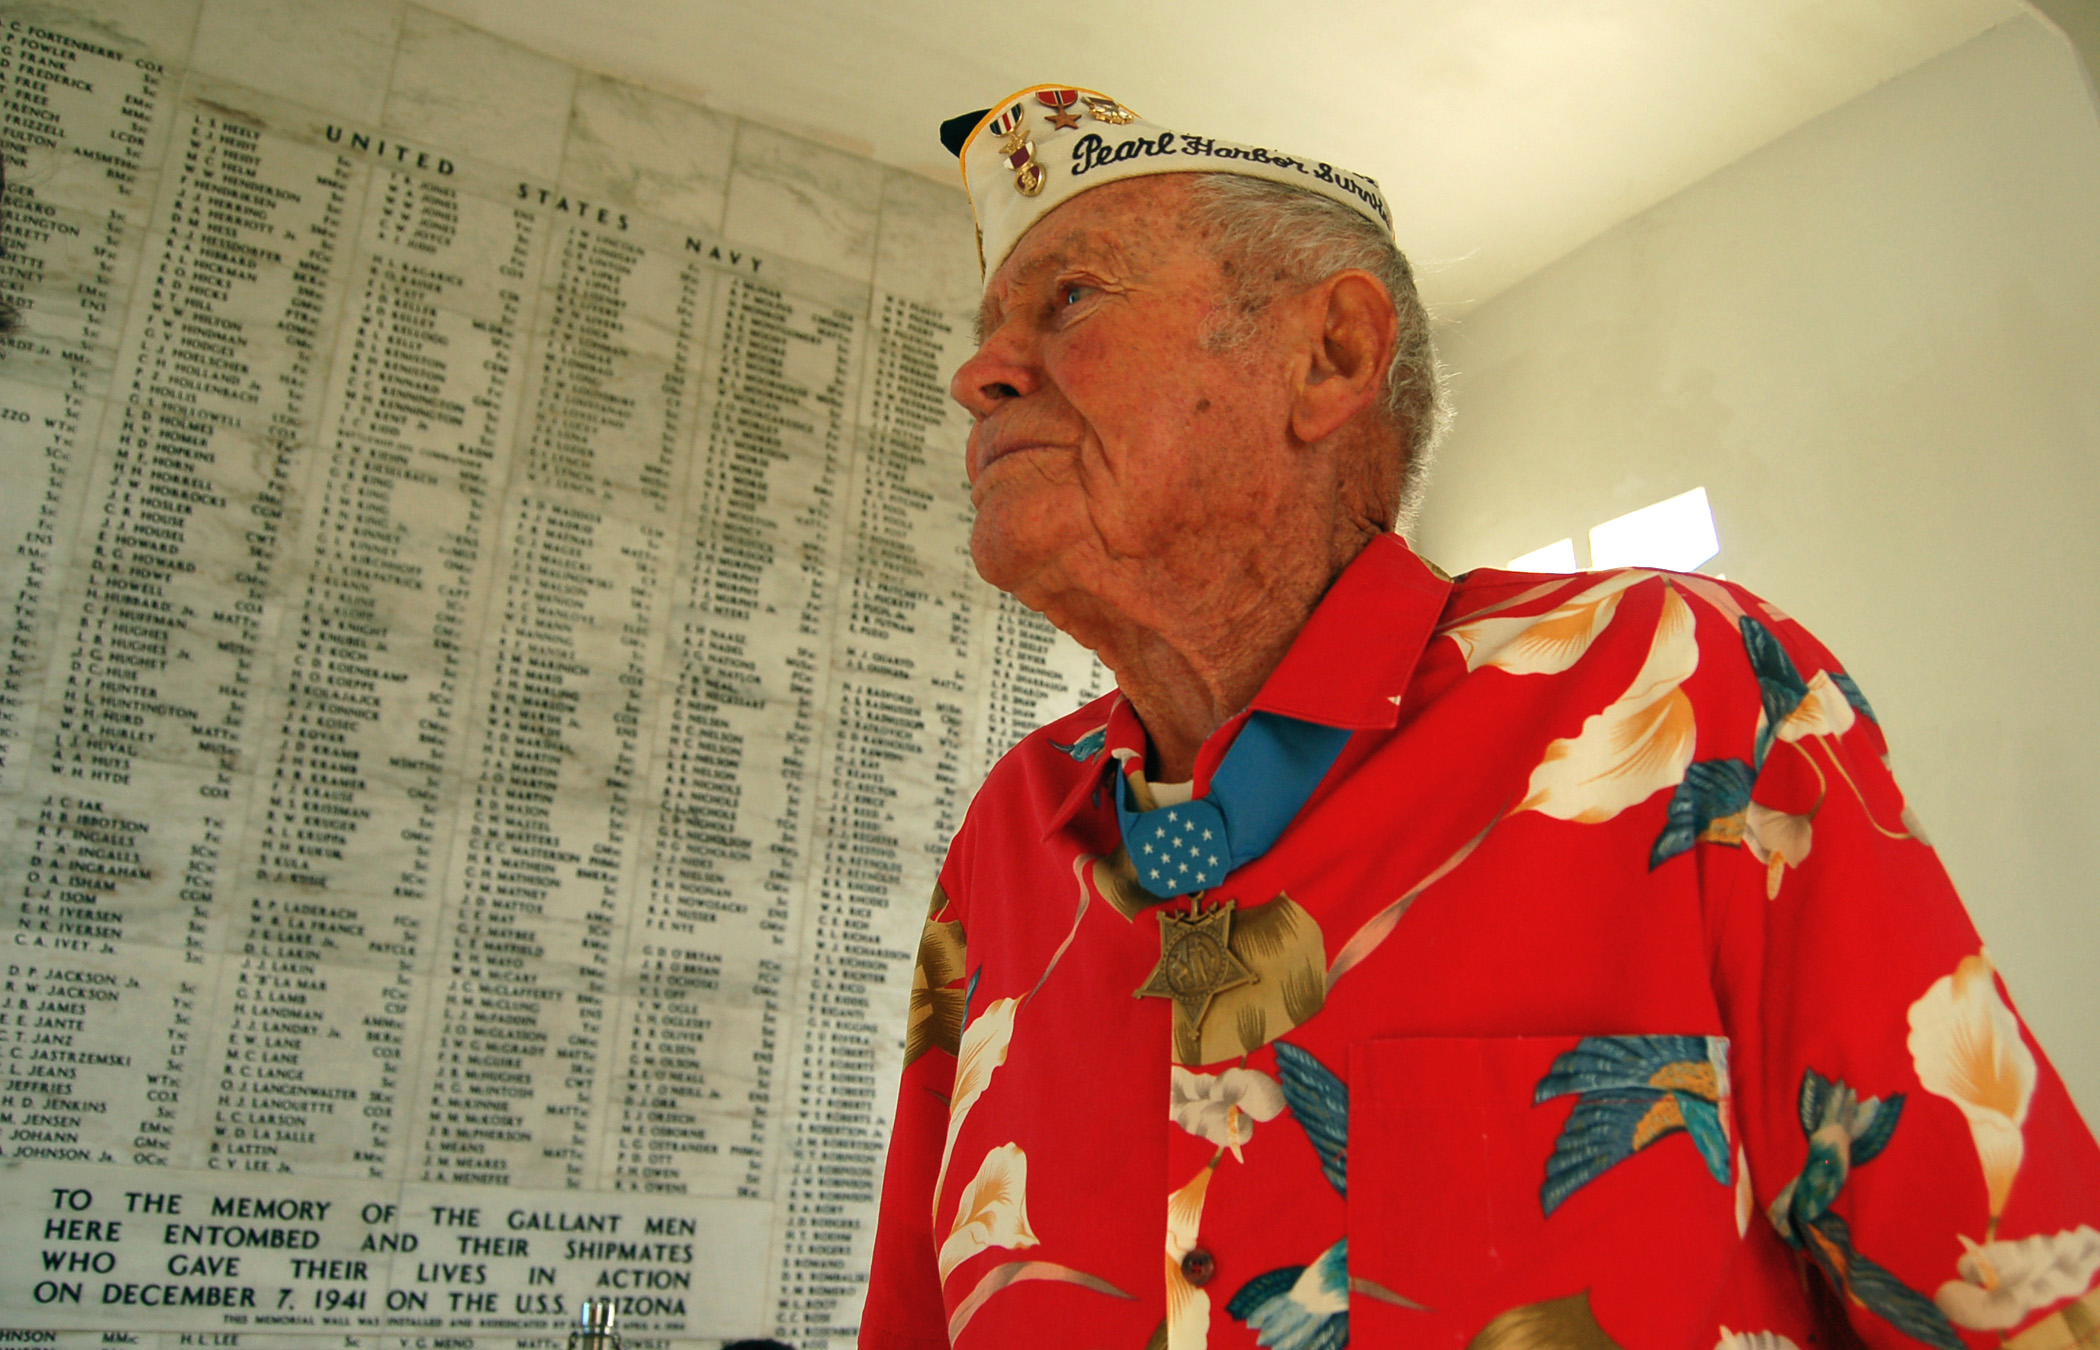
[
  {"x": 1009, "y": 556},
  {"x": 995, "y": 564}
]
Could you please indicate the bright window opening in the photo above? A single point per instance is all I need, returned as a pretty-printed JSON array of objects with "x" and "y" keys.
[
  {"x": 1558, "y": 556},
  {"x": 1676, "y": 534}
]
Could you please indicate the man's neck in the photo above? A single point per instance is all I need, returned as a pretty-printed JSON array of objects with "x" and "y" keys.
[{"x": 1185, "y": 678}]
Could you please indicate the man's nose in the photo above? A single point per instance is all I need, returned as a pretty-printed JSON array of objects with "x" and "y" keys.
[{"x": 1003, "y": 368}]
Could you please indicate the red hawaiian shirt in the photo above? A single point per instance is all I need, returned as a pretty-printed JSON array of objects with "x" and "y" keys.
[{"x": 1602, "y": 993}]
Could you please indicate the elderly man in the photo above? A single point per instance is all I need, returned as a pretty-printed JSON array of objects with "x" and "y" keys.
[{"x": 1512, "y": 961}]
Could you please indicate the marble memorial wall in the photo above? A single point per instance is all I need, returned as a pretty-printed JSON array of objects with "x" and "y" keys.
[{"x": 491, "y": 668}]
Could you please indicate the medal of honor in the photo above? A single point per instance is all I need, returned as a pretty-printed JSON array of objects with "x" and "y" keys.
[{"x": 1195, "y": 963}]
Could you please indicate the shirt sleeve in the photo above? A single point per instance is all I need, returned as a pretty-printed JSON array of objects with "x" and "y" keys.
[
  {"x": 904, "y": 1307},
  {"x": 1903, "y": 1133}
]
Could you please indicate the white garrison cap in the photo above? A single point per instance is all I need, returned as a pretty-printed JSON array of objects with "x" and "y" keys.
[{"x": 1032, "y": 151}]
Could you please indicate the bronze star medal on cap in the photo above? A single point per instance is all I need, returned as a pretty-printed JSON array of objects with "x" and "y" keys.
[
  {"x": 1195, "y": 964},
  {"x": 1060, "y": 102}
]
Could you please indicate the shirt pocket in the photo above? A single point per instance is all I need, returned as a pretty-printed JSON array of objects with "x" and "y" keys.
[{"x": 1591, "y": 1173}]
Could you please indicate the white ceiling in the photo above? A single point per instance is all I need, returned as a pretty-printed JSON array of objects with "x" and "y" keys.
[{"x": 1505, "y": 132}]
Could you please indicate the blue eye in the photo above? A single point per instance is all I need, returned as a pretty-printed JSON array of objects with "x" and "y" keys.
[{"x": 1074, "y": 294}]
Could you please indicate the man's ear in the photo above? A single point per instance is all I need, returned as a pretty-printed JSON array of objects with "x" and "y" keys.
[{"x": 1350, "y": 331}]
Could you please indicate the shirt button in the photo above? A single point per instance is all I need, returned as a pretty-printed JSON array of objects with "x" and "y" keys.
[{"x": 1198, "y": 1267}]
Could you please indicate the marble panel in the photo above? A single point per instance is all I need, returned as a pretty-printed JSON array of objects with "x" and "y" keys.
[
  {"x": 650, "y": 153},
  {"x": 926, "y": 251},
  {"x": 329, "y": 55},
  {"x": 162, "y": 27},
  {"x": 496, "y": 665},
  {"x": 457, "y": 86},
  {"x": 87, "y": 113},
  {"x": 804, "y": 201}
]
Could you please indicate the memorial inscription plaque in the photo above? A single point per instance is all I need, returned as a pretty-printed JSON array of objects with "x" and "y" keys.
[{"x": 493, "y": 668}]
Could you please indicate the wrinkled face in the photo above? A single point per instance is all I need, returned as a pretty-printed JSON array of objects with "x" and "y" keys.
[{"x": 1106, "y": 432}]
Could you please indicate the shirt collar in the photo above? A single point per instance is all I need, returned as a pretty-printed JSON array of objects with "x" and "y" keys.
[{"x": 1348, "y": 667}]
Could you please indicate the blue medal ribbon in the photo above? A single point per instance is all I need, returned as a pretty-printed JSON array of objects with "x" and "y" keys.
[{"x": 1272, "y": 767}]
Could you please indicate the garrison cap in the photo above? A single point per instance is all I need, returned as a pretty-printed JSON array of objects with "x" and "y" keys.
[{"x": 1034, "y": 150}]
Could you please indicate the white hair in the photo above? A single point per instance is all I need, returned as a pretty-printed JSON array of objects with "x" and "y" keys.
[{"x": 1273, "y": 238}]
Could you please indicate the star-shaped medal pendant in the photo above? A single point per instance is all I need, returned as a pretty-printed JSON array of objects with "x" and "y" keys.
[
  {"x": 1195, "y": 965},
  {"x": 1064, "y": 119}
]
